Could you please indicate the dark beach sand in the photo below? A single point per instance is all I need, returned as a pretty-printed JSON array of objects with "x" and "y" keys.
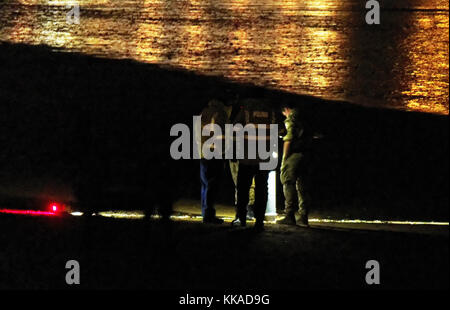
[{"x": 133, "y": 255}]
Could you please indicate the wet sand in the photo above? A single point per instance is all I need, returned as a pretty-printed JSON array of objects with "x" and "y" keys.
[{"x": 320, "y": 48}]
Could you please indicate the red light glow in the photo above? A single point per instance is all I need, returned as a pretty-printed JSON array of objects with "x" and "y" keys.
[
  {"x": 26, "y": 212},
  {"x": 55, "y": 207}
]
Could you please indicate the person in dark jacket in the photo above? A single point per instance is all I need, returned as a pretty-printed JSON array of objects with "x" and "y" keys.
[{"x": 256, "y": 112}]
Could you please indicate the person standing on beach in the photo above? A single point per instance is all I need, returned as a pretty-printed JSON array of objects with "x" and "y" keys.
[
  {"x": 295, "y": 167},
  {"x": 234, "y": 166},
  {"x": 256, "y": 112},
  {"x": 212, "y": 170}
]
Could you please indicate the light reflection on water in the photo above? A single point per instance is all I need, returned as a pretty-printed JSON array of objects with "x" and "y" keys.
[{"x": 317, "y": 47}]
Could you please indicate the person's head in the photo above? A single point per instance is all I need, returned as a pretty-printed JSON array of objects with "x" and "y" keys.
[
  {"x": 215, "y": 103},
  {"x": 286, "y": 109}
]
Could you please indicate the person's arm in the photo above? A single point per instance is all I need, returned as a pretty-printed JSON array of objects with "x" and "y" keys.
[
  {"x": 286, "y": 149},
  {"x": 287, "y": 139}
]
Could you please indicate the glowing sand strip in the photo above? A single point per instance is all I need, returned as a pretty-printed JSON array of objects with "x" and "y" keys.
[
  {"x": 140, "y": 215},
  {"x": 123, "y": 214},
  {"x": 378, "y": 222}
]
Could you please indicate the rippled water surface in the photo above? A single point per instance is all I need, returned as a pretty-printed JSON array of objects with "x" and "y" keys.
[{"x": 317, "y": 47}]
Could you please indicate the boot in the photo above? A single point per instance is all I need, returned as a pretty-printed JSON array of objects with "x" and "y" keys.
[
  {"x": 302, "y": 219},
  {"x": 289, "y": 219},
  {"x": 237, "y": 222},
  {"x": 259, "y": 226}
]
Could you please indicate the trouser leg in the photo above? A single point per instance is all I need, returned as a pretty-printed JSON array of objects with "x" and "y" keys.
[
  {"x": 210, "y": 174},
  {"x": 234, "y": 168},
  {"x": 244, "y": 181},
  {"x": 289, "y": 177},
  {"x": 251, "y": 200},
  {"x": 204, "y": 185},
  {"x": 290, "y": 198},
  {"x": 304, "y": 199},
  {"x": 261, "y": 193}
]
